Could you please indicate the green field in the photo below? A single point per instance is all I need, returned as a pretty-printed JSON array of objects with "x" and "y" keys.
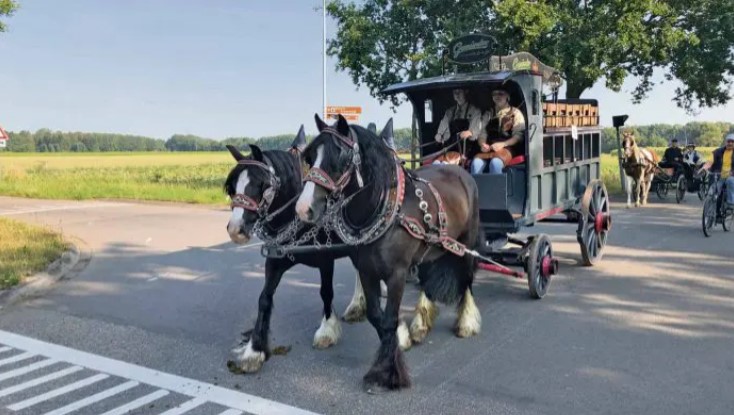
[
  {"x": 25, "y": 249},
  {"x": 178, "y": 177}
]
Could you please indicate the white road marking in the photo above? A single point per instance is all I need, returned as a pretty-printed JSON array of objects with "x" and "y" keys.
[
  {"x": 39, "y": 381},
  {"x": 198, "y": 391},
  {"x": 26, "y": 369},
  {"x": 56, "y": 208},
  {"x": 93, "y": 399},
  {"x": 124, "y": 409},
  {"x": 56, "y": 392},
  {"x": 16, "y": 358},
  {"x": 185, "y": 407},
  {"x": 5, "y": 349},
  {"x": 231, "y": 412}
]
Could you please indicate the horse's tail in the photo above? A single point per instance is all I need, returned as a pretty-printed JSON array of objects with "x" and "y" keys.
[
  {"x": 445, "y": 279},
  {"x": 448, "y": 277}
]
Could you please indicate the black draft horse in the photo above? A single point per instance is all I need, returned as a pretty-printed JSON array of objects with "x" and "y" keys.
[
  {"x": 352, "y": 162},
  {"x": 261, "y": 185}
]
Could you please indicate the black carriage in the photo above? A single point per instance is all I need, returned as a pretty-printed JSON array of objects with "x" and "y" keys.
[
  {"x": 680, "y": 179},
  {"x": 558, "y": 174}
]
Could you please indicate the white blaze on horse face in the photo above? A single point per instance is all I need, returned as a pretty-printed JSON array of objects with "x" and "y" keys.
[
  {"x": 306, "y": 199},
  {"x": 235, "y": 221}
]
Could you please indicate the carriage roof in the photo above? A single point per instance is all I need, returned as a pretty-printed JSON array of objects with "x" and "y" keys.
[{"x": 501, "y": 69}]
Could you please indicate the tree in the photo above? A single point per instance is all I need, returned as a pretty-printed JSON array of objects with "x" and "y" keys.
[
  {"x": 379, "y": 42},
  {"x": 7, "y": 8}
]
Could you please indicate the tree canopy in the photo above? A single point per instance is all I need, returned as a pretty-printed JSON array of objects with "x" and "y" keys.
[
  {"x": 380, "y": 42},
  {"x": 7, "y": 8}
]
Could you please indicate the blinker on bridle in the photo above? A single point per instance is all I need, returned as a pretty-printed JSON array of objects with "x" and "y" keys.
[
  {"x": 243, "y": 201},
  {"x": 319, "y": 177}
]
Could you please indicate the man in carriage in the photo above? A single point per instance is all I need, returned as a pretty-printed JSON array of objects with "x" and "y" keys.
[
  {"x": 673, "y": 159},
  {"x": 503, "y": 128},
  {"x": 460, "y": 122}
]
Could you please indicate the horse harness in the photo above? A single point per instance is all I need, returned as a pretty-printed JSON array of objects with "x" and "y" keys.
[
  {"x": 243, "y": 201},
  {"x": 390, "y": 212}
]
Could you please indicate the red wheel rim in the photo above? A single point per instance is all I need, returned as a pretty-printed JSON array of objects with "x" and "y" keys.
[
  {"x": 602, "y": 222},
  {"x": 546, "y": 267}
]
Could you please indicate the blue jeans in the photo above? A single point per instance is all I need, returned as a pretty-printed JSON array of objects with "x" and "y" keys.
[
  {"x": 495, "y": 166},
  {"x": 730, "y": 190}
]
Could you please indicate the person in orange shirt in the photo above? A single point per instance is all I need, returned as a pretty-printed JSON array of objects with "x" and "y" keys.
[{"x": 724, "y": 164}]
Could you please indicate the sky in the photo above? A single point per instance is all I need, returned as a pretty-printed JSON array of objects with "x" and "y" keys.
[{"x": 214, "y": 68}]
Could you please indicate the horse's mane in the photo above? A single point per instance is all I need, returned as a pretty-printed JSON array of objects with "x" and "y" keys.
[{"x": 287, "y": 169}]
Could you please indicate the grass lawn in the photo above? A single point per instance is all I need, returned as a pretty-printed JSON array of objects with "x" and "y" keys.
[
  {"x": 177, "y": 177},
  {"x": 25, "y": 249}
]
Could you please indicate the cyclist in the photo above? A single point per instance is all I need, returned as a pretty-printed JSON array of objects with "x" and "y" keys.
[{"x": 724, "y": 164}]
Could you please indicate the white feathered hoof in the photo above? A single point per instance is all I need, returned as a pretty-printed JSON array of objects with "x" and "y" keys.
[
  {"x": 356, "y": 311},
  {"x": 404, "y": 341},
  {"x": 328, "y": 333},
  {"x": 247, "y": 359},
  {"x": 425, "y": 314},
  {"x": 469, "y": 322}
]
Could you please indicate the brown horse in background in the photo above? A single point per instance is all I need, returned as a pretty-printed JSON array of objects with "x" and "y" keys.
[{"x": 639, "y": 167}]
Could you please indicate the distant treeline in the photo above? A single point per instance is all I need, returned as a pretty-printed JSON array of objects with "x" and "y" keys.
[{"x": 704, "y": 134}]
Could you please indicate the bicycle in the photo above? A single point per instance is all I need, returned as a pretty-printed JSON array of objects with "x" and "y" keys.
[{"x": 715, "y": 208}]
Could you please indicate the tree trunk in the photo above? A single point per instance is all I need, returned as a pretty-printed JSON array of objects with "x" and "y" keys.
[{"x": 575, "y": 89}]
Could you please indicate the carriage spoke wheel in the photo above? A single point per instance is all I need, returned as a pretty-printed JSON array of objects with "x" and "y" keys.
[
  {"x": 680, "y": 192},
  {"x": 594, "y": 223},
  {"x": 708, "y": 219},
  {"x": 541, "y": 266},
  {"x": 728, "y": 219},
  {"x": 661, "y": 189}
]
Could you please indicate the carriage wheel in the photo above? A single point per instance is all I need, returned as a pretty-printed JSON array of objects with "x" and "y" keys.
[
  {"x": 594, "y": 223},
  {"x": 728, "y": 220},
  {"x": 681, "y": 190},
  {"x": 662, "y": 189},
  {"x": 708, "y": 219},
  {"x": 540, "y": 265}
]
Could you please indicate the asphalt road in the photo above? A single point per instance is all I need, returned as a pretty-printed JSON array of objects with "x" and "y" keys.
[{"x": 649, "y": 330}]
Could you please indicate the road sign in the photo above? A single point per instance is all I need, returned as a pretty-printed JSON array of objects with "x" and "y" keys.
[
  {"x": 3, "y": 137},
  {"x": 331, "y": 109},
  {"x": 348, "y": 117}
]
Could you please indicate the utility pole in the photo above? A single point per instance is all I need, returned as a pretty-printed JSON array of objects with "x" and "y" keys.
[{"x": 618, "y": 121}]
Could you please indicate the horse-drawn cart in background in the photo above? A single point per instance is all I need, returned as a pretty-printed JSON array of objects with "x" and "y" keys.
[
  {"x": 559, "y": 172},
  {"x": 667, "y": 179}
]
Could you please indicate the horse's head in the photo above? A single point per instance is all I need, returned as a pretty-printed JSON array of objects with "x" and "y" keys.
[
  {"x": 336, "y": 166},
  {"x": 251, "y": 186},
  {"x": 628, "y": 145}
]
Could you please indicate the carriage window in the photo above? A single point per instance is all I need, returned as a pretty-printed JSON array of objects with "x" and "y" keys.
[
  {"x": 595, "y": 139},
  {"x": 428, "y": 111},
  {"x": 548, "y": 151},
  {"x": 535, "y": 102},
  {"x": 587, "y": 145},
  {"x": 579, "y": 148},
  {"x": 569, "y": 157},
  {"x": 558, "y": 150}
]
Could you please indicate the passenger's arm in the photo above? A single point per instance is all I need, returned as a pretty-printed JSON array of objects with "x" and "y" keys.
[{"x": 443, "y": 127}]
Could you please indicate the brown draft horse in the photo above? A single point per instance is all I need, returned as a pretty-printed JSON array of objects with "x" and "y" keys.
[
  {"x": 639, "y": 167},
  {"x": 354, "y": 178}
]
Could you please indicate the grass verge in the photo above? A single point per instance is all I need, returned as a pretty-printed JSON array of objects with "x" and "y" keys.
[{"x": 26, "y": 249}]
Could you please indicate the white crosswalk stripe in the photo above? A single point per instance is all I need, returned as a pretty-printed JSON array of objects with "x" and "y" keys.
[
  {"x": 122, "y": 410},
  {"x": 39, "y": 381},
  {"x": 93, "y": 399},
  {"x": 132, "y": 386},
  {"x": 26, "y": 369},
  {"x": 16, "y": 358},
  {"x": 56, "y": 392}
]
